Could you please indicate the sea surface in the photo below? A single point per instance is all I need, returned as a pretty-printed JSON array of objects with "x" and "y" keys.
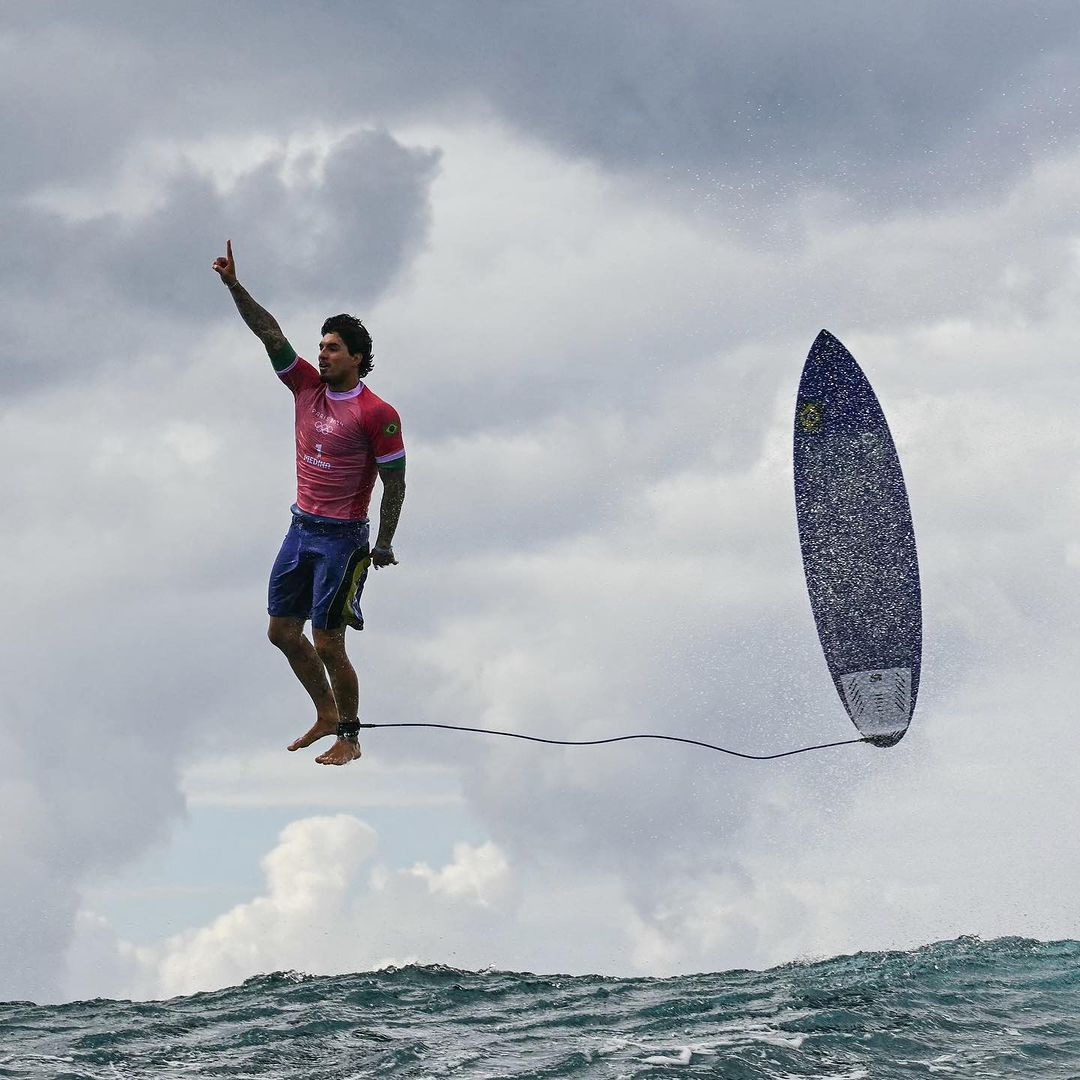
[{"x": 964, "y": 1008}]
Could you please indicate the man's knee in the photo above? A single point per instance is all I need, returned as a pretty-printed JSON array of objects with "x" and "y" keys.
[
  {"x": 330, "y": 645},
  {"x": 285, "y": 633}
]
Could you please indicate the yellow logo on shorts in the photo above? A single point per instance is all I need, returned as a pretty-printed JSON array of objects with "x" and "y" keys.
[
  {"x": 390, "y": 429},
  {"x": 810, "y": 417}
]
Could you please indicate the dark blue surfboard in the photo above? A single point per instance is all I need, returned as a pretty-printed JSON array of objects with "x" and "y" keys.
[{"x": 858, "y": 544}]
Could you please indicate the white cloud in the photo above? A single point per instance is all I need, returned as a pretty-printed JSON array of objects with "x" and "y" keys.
[
  {"x": 477, "y": 873},
  {"x": 318, "y": 913},
  {"x": 298, "y": 924}
]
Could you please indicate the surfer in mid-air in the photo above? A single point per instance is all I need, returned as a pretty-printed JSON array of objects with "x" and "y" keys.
[{"x": 345, "y": 436}]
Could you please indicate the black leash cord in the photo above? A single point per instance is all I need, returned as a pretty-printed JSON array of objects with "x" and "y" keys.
[{"x": 623, "y": 738}]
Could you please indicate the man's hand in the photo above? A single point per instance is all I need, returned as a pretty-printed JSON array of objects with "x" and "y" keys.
[
  {"x": 226, "y": 266},
  {"x": 382, "y": 556}
]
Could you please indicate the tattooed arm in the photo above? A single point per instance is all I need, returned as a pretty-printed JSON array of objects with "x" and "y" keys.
[
  {"x": 261, "y": 323},
  {"x": 393, "y": 481}
]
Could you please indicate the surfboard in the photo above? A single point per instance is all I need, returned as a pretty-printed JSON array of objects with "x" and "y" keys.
[{"x": 858, "y": 543}]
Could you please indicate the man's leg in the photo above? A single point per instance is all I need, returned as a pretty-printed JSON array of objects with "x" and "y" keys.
[
  {"x": 288, "y": 635},
  {"x": 330, "y": 648}
]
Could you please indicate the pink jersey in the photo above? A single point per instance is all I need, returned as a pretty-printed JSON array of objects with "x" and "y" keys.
[{"x": 341, "y": 440}]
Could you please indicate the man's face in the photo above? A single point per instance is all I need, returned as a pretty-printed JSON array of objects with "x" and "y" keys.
[{"x": 336, "y": 366}]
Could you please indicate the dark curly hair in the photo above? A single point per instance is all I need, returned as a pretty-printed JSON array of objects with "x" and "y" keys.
[{"x": 357, "y": 340}]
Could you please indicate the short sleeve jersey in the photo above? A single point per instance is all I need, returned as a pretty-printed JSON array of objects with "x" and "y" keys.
[{"x": 341, "y": 440}]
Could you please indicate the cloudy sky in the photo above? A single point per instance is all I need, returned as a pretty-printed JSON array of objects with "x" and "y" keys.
[{"x": 593, "y": 243}]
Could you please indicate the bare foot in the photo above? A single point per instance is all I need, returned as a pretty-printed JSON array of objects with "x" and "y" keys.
[
  {"x": 341, "y": 753},
  {"x": 319, "y": 730}
]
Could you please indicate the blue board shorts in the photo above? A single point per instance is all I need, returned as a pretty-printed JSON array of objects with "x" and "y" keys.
[{"x": 320, "y": 571}]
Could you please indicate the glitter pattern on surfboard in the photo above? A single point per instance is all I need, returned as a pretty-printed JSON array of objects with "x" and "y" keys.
[{"x": 858, "y": 543}]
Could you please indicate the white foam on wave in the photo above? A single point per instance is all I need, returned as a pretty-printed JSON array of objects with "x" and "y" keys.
[{"x": 684, "y": 1058}]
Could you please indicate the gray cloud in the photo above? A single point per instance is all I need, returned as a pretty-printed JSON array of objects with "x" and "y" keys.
[
  {"x": 346, "y": 232},
  {"x": 111, "y": 285},
  {"x": 887, "y": 105}
]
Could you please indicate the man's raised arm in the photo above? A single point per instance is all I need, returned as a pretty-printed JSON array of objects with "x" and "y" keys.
[{"x": 261, "y": 323}]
